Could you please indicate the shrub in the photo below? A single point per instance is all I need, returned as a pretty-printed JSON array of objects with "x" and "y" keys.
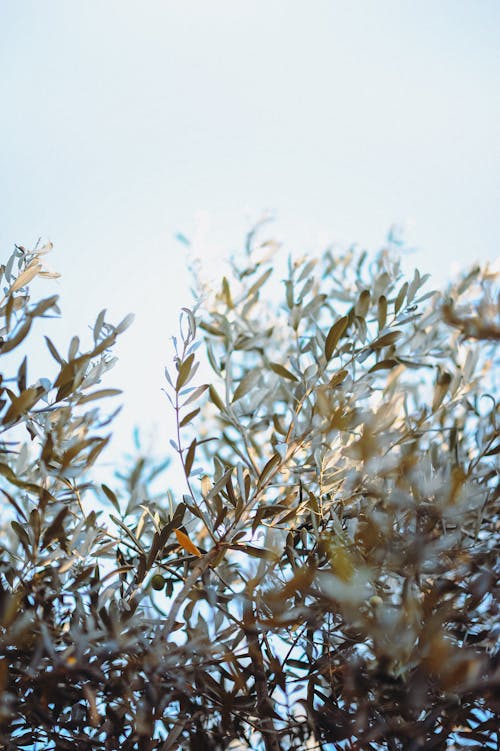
[{"x": 330, "y": 576}]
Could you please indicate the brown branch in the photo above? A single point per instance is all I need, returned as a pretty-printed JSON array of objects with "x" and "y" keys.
[
  {"x": 265, "y": 709},
  {"x": 193, "y": 577}
]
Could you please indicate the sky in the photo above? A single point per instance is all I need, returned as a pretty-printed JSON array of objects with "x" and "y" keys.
[{"x": 126, "y": 122}]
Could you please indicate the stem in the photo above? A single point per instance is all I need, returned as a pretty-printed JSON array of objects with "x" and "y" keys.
[
  {"x": 188, "y": 483},
  {"x": 193, "y": 577},
  {"x": 264, "y": 703}
]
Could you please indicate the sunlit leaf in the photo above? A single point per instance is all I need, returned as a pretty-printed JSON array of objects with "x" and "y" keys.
[{"x": 186, "y": 543}]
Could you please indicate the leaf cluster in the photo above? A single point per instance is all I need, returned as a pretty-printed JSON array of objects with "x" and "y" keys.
[{"x": 330, "y": 577}]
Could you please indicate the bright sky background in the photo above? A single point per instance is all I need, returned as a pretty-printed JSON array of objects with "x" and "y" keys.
[{"x": 126, "y": 121}]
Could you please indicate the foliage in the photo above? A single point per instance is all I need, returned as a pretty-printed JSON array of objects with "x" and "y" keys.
[{"x": 330, "y": 577}]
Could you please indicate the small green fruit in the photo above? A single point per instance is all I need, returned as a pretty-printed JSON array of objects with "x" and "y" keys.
[{"x": 157, "y": 582}]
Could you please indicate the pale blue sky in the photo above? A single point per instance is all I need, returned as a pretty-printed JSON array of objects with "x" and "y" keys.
[{"x": 125, "y": 121}]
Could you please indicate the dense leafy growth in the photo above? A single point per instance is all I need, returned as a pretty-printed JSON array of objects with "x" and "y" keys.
[{"x": 330, "y": 577}]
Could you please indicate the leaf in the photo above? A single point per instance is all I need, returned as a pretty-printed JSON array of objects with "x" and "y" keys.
[
  {"x": 26, "y": 276},
  {"x": 186, "y": 543},
  {"x": 182, "y": 239},
  {"x": 337, "y": 378},
  {"x": 9, "y": 344},
  {"x": 215, "y": 398},
  {"x": 23, "y": 403},
  {"x": 218, "y": 485},
  {"x": 258, "y": 284},
  {"x": 262, "y": 553},
  {"x": 53, "y": 351},
  {"x": 184, "y": 371},
  {"x": 7, "y": 472},
  {"x": 195, "y": 395},
  {"x": 14, "y": 503},
  {"x": 129, "y": 534},
  {"x": 382, "y": 312},
  {"x": 22, "y": 375},
  {"x": 22, "y": 536},
  {"x": 100, "y": 394},
  {"x": 226, "y": 293},
  {"x": 493, "y": 451},
  {"x": 442, "y": 386},
  {"x": 384, "y": 365},
  {"x": 190, "y": 457},
  {"x": 334, "y": 335},
  {"x": 156, "y": 544},
  {"x": 111, "y": 496},
  {"x": 279, "y": 428},
  {"x": 246, "y": 384},
  {"x": 400, "y": 297},
  {"x": 386, "y": 340},
  {"x": 282, "y": 371},
  {"x": 363, "y": 303},
  {"x": 187, "y": 418},
  {"x": 44, "y": 305},
  {"x": 271, "y": 465},
  {"x": 55, "y": 529},
  {"x": 73, "y": 348},
  {"x": 123, "y": 325}
]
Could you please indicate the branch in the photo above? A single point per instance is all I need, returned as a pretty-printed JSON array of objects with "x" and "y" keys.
[{"x": 264, "y": 704}]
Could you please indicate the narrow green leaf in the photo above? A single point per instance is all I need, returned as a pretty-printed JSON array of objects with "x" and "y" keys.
[
  {"x": 22, "y": 536},
  {"x": 53, "y": 351},
  {"x": 338, "y": 378},
  {"x": 184, "y": 371},
  {"x": 282, "y": 371},
  {"x": 111, "y": 496},
  {"x": 123, "y": 325},
  {"x": 215, "y": 398},
  {"x": 246, "y": 384},
  {"x": 190, "y": 457},
  {"x": 384, "y": 365},
  {"x": 195, "y": 395},
  {"x": 22, "y": 375},
  {"x": 263, "y": 553},
  {"x": 14, "y": 503},
  {"x": 382, "y": 312},
  {"x": 271, "y": 465},
  {"x": 129, "y": 534},
  {"x": 55, "y": 529},
  {"x": 23, "y": 403},
  {"x": 44, "y": 305},
  {"x": 187, "y": 418},
  {"x": 400, "y": 297},
  {"x": 226, "y": 293},
  {"x": 363, "y": 303},
  {"x": 219, "y": 484},
  {"x": 258, "y": 284},
  {"x": 9, "y": 344},
  {"x": 334, "y": 335},
  {"x": 100, "y": 394},
  {"x": 386, "y": 340},
  {"x": 493, "y": 451},
  {"x": 442, "y": 386}
]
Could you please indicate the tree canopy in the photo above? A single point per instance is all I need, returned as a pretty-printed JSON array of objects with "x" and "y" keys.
[{"x": 330, "y": 576}]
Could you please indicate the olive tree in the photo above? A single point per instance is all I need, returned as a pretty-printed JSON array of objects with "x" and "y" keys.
[{"x": 328, "y": 578}]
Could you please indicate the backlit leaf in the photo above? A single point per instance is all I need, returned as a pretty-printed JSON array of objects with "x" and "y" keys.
[
  {"x": 282, "y": 371},
  {"x": 186, "y": 543},
  {"x": 334, "y": 335}
]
